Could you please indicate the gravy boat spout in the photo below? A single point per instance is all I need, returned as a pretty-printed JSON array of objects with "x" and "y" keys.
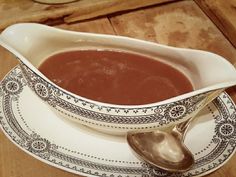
[{"x": 33, "y": 43}]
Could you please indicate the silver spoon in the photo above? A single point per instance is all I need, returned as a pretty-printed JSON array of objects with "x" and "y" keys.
[
  {"x": 163, "y": 149},
  {"x": 166, "y": 149}
]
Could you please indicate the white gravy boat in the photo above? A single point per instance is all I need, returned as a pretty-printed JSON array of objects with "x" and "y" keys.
[{"x": 32, "y": 43}]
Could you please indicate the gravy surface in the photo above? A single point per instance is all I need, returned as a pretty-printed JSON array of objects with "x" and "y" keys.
[{"x": 115, "y": 77}]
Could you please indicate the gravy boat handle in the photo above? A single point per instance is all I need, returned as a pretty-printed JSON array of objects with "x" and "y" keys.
[{"x": 182, "y": 127}]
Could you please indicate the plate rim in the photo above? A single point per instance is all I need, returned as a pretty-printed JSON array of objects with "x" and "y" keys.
[{"x": 81, "y": 173}]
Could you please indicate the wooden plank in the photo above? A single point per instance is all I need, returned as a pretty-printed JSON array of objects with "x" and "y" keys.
[
  {"x": 181, "y": 24},
  {"x": 102, "y": 26},
  {"x": 15, "y": 11},
  {"x": 167, "y": 24},
  {"x": 109, "y": 7},
  {"x": 223, "y": 14},
  {"x": 13, "y": 161},
  {"x": 7, "y": 62}
]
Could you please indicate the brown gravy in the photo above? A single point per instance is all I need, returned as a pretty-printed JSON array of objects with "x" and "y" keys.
[{"x": 115, "y": 77}]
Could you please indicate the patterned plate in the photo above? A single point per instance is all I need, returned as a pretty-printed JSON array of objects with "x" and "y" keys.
[{"x": 40, "y": 132}]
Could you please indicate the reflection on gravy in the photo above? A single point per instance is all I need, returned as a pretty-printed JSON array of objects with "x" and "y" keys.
[{"x": 115, "y": 77}]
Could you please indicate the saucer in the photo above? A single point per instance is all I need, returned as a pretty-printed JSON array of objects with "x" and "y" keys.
[{"x": 39, "y": 131}]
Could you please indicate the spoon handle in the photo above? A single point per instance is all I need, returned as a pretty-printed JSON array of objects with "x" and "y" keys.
[{"x": 181, "y": 128}]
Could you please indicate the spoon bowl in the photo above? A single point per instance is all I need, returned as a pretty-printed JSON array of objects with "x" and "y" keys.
[
  {"x": 166, "y": 149},
  {"x": 162, "y": 149}
]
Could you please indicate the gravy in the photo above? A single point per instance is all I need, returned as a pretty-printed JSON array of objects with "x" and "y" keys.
[{"x": 115, "y": 77}]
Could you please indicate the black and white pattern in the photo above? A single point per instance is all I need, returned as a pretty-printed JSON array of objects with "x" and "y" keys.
[
  {"x": 21, "y": 131},
  {"x": 95, "y": 115},
  {"x": 226, "y": 129},
  {"x": 41, "y": 90},
  {"x": 39, "y": 145},
  {"x": 12, "y": 86}
]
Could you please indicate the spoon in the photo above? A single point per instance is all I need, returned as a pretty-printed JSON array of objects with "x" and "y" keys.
[
  {"x": 166, "y": 149},
  {"x": 163, "y": 149}
]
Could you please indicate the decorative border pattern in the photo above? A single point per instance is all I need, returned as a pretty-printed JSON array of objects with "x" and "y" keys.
[
  {"x": 11, "y": 88},
  {"x": 113, "y": 117}
]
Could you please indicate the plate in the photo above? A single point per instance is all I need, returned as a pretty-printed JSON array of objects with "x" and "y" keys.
[{"x": 31, "y": 125}]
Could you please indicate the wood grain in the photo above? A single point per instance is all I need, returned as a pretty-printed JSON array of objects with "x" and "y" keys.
[
  {"x": 223, "y": 14},
  {"x": 13, "y": 161},
  {"x": 181, "y": 24},
  {"x": 108, "y": 7},
  {"x": 14, "y": 11},
  {"x": 102, "y": 26}
]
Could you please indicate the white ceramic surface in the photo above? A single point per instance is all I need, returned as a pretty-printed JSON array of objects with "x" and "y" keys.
[
  {"x": 32, "y": 43},
  {"x": 38, "y": 131}
]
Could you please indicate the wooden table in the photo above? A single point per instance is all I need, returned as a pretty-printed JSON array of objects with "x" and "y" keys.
[{"x": 180, "y": 23}]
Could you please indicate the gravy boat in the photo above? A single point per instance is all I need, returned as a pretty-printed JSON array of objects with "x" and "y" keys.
[{"x": 33, "y": 43}]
